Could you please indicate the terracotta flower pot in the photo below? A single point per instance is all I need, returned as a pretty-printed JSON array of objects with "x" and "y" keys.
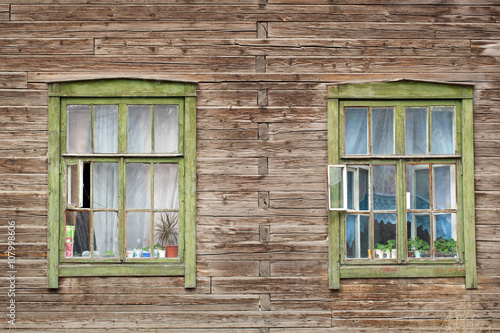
[{"x": 172, "y": 251}]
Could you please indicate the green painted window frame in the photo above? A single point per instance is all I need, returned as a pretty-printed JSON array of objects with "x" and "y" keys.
[
  {"x": 399, "y": 93},
  {"x": 123, "y": 91}
]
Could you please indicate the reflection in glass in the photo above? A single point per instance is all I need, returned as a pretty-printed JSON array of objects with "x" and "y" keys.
[
  {"x": 166, "y": 186},
  {"x": 384, "y": 187},
  {"x": 139, "y": 129},
  {"x": 442, "y": 130},
  {"x": 139, "y": 231},
  {"x": 444, "y": 186},
  {"x": 336, "y": 186},
  {"x": 384, "y": 233},
  {"x": 416, "y": 130},
  {"x": 105, "y": 185},
  {"x": 419, "y": 234},
  {"x": 382, "y": 131},
  {"x": 105, "y": 226},
  {"x": 77, "y": 241},
  {"x": 73, "y": 186},
  {"x": 356, "y": 131},
  {"x": 445, "y": 235},
  {"x": 417, "y": 186},
  {"x": 138, "y": 185},
  {"x": 358, "y": 187},
  {"x": 78, "y": 127},
  {"x": 357, "y": 236},
  {"x": 106, "y": 128},
  {"x": 166, "y": 128}
]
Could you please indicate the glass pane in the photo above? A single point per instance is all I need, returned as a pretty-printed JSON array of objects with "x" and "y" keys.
[
  {"x": 166, "y": 229},
  {"x": 106, "y": 128},
  {"x": 416, "y": 131},
  {"x": 166, "y": 186},
  {"x": 139, "y": 234},
  {"x": 383, "y": 131},
  {"x": 105, "y": 185},
  {"x": 356, "y": 131},
  {"x": 139, "y": 128},
  {"x": 445, "y": 235},
  {"x": 442, "y": 130},
  {"x": 419, "y": 235},
  {"x": 384, "y": 235},
  {"x": 357, "y": 187},
  {"x": 138, "y": 186},
  {"x": 336, "y": 187},
  {"x": 73, "y": 186},
  {"x": 357, "y": 236},
  {"x": 78, "y": 128},
  {"x": 105, "y": 226},
  {"x": 444, "y": 186},
  {"x": 77, "y": 234},
  {"x": 417, "y": 186},
  {"x": 384, "y": 187},
  {"x": 166, "y": 126}
]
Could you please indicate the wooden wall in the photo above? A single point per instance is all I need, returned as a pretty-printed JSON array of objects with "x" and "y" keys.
[{"x": 263, "y": 67}]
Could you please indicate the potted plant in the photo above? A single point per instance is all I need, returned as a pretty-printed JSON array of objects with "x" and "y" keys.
[
  {"x": 391, "y": 247},
  {"x": 380, "y": 250},
  {"x": 386, "y": 251},
  {"x": 109, "y": 254},
  {"x": 159, "y": 251},
  {"x": 445, "y": 247},
  {"x": 146, "y": 253},
  {"x": 167, "y": 234},
  {"x": 138, "y": 252},
  {"x": 419, "y": 246}
]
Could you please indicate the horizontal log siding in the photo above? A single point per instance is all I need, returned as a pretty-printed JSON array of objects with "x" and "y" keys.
[{"x": 263, "y": 67}]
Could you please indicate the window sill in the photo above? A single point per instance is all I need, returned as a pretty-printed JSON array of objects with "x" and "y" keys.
[
  {"x": 397, "y": 157},
  {"x": 81, "y": 270},
  {"x": 420, "y": 271}
]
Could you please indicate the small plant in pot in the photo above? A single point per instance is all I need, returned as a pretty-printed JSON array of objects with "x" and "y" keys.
[
  {"x": 419, "y": 246},
  {"x": 167, "y": 234},
  {"x": 445, "y": 247},
  {"x": 159, "y": 251},
  {"x": 386, "y": 250}
]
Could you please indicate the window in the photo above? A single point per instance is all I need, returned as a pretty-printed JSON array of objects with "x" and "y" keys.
[
  {"x": 401, "y": 182},
  {"x": 122, "y": 179}
]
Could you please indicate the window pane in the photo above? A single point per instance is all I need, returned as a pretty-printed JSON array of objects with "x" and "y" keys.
[
  {"x": 442, "y": 130},
  {"x": 384, "y": 235},
  {"x": 383, "y": 131},
  {"x": 416, "y": 131},
  {"x": 105, "y": 226},
  {"x": 419, "y": 235},
  {"x": 336, "y": 187},
  {"x": 139, "y": 128},
  {"x": 166, "y": 127},
  {"x": 357, "y": 187},
  {"x": 417, "y": 186},
  {"x": 356, "y": 131},
  {"x": 445, "y": 235},
  {"x": 105, "y": 185},
  {"x": 106, "y": 128},
  {"x": 357, "y": 236},
  {"x": 166, "y": 186},
  {"x": 139, "y": 233},
  {"x": 73, "y": 186},
  {"x": 384, "y": 187},
  {"x": 444, "y": 186},
  {"x": 78, "y": 129},
  {"x": 138, "y": 186},
  {"x": 77, "y": 234}
]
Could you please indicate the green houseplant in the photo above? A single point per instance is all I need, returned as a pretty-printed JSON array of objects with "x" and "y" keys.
[
  {"x": 419, "y": 246},
  {"x": 166, "y": 233},
  {"x": 389, "y": 249},
  {"x": 445, "y": 247}
]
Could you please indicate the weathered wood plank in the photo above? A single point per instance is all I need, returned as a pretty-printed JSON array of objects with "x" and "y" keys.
[
  {"x": 23, "y": 165},
  {"x": 228, "y": 268},
  {"x": 260, "y": 183},
  {"x": 150, "y": 29},
  {"x": 382, "y": 30},
  {"x": 384, "y": 2},
  {"x": 314, "y": 13},
  {"x": 22, "y": 97},
  {"x": 131, "y": 64},
  {"x": 32, "y": 46},
  {"x": 13, "y": 80},
  {"x": 226, "y": 98},
  {"x": 284, "y": 47},
  {"x": 250, "y": 115}
]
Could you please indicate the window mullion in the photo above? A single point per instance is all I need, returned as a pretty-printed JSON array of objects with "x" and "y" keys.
[
  {"x": 401, "y": 210},
  {"x": 121, "y": 209},
  {"x": 122, "y": 128},
  {"x": 399, "y": 131}
]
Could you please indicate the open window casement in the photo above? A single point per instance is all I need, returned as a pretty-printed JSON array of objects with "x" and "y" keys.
[{"x": 337, "y": 187}]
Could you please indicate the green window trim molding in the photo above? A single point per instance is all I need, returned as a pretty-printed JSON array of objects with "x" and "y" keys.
[
  {"x": 413, "y": 91},
  {"x": 130, "y": 89}
]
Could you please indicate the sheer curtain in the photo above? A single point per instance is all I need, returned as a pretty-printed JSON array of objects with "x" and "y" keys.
[
  {"x": 356, "y": 131},
  {"x": 442, "y": 131},
  {"x": 383, "y": 131},
  {"x": 416, "y": 131}
]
